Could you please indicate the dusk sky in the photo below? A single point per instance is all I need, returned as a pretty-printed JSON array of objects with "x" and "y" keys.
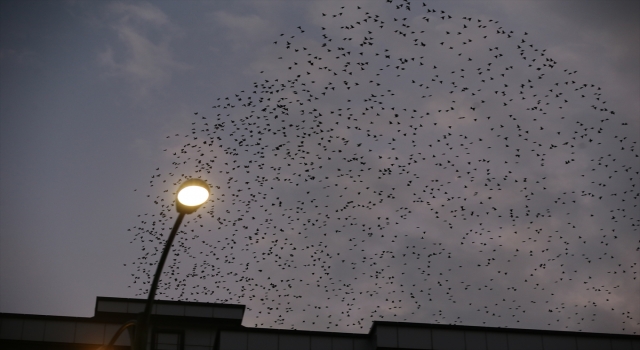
[{"x": 459, "y": 162}]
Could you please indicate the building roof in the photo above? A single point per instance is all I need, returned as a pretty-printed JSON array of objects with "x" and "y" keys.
[{"x": 212, "y": 326}]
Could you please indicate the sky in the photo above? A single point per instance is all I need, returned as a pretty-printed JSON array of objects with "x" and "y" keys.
[{"x": 459, "y": 162}]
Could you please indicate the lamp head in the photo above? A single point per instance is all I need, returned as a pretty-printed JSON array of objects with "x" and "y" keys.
[{"x": 191, "y": 195}]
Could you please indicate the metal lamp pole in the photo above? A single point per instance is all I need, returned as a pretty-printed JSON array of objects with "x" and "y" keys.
[{"x": 190, "y": 196}]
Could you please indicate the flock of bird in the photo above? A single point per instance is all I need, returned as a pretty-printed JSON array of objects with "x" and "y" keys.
[{"x": 406, "y": 165}]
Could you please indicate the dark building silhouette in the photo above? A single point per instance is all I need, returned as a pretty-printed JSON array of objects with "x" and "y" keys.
[{"x": 180, "y": 325}]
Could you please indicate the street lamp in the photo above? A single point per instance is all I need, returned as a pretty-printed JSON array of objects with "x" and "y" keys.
[{"x": 190, "y": 196}]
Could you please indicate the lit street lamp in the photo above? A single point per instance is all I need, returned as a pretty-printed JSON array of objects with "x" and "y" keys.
[{"x": 190, "y": 196}]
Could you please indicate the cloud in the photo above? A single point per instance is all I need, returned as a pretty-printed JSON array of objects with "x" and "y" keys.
[
  {"x": 142, "y": 53},
  {"x": 144, "y": 12},
  {"x": 242, "y": 30}
]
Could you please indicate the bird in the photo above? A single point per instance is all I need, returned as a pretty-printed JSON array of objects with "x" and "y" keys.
[{"x": 344, "y": 193}]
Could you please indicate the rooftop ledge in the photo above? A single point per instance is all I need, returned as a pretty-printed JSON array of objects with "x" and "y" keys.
[{"x": 108, "y": 305}]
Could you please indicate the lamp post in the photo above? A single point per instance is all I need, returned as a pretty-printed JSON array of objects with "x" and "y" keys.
[{"x": 190, "y": 196}]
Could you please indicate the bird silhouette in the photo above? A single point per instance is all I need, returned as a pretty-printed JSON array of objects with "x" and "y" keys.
[{"x": 410, "y": 165}]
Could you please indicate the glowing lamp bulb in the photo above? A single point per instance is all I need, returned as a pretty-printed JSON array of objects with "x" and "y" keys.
[{"x": 193, "y": 195}]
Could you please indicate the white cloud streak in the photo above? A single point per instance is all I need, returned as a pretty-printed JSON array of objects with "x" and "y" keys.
[{"x": 142, "y": 54}]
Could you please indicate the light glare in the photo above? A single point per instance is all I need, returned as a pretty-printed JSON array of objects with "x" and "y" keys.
[{"x": 193, "y": 195}]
